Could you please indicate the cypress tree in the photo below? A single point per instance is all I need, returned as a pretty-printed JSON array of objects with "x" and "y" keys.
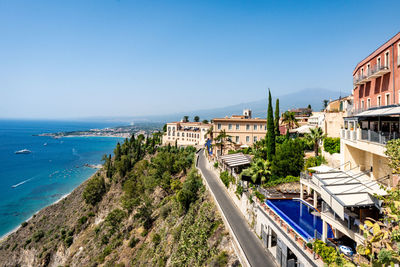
[
  {"x": 270, "y": 130},
  {"x": 277, "y": 132}
]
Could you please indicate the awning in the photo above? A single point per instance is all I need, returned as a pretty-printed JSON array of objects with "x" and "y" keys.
[
  {"x": 342, "y": 190},
  {"x": 394, "y": 110},
  {"x": 234, "y": 160},
  {"x": 302, "y": 129}
]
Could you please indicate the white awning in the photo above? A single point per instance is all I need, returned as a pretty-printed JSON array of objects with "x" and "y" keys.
[
  {"x": 342, "y": 190},
  {"x": 380, "y": 112},
  {"x": 234, "y": 160}
]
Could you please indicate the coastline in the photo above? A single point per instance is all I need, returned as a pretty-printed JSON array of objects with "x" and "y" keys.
[{"x": 5, "y": 236}]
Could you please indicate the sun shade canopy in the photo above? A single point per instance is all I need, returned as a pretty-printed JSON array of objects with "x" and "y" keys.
[
  {"x": 380, "y": 112},
  {"x": 234, "y": 160},
  {"x": 340, "y": 190}
]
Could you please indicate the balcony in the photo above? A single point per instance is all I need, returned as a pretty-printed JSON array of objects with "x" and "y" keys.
[
  {"x": 352, "y": 135},
  {"x": 373, "y": 72}
]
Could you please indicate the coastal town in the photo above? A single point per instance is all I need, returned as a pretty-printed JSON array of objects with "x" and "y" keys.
[
  {"x": 329, "y": 202},
  {"x": 200, "y": 133}
]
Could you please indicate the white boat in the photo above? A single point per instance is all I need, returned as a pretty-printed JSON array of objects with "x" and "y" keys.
[
  {"x": 45, "y": 144},
  {"x": 23, "y": 151}
]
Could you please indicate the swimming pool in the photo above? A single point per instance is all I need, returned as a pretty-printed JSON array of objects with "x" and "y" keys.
[{"x": 299, "y": 216}]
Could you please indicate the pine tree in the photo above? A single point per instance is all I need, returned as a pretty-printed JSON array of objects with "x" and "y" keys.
[
  {"x": 277, "y": 132},
  {"x": 270, "y": 130}
]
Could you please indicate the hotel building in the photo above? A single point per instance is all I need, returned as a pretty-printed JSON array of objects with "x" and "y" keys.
[
  {"x": 376, "y": 115},
  {"x": 243, "y": 130},
  {"x": 186, "y": 133}
]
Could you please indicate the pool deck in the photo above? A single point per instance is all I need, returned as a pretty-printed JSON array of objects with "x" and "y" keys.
[{"x": 291, "y": 233}]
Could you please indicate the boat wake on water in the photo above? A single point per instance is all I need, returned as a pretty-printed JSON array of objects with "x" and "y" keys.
[{"x": 21, "y": 183}]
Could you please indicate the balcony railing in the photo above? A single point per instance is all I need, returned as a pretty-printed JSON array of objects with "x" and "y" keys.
[
  {"x": 380, "y": 137},
  {"x": 373, "y": 72}
]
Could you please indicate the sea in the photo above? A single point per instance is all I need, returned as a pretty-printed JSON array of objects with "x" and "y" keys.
[{"x": 30, "y": 182}]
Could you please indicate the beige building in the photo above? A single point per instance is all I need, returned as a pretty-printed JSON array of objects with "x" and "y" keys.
[
  {"x": 186, "y": 133},
  {"x": 243, "y": 130},
  {"x": 334, "y": 114}
]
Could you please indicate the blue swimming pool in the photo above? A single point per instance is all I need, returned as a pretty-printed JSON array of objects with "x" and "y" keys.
[{"x": 299, "y": 216}]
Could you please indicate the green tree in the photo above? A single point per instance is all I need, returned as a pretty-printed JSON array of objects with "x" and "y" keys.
[
  {"x": 259, "y": 171},
  {"x": 117, "y": 151},
  {"x": 205, "y": 121},
  {"x": 196, "y": 118},
  {"x": 270, "y": 130},
  {"x": 309, "y": 106},
  {"x": 186, "y": 118},
  {"x": 315, "y": 136},
  {"x": 289, "y": 159},
  {"x": 289, "y": 118},
  {"x": 325, "y": 103},
  {"x": 277, "y": 117},
  {"x": 94, "y": 190},
  {"x": 221, "y": 140},
  {"x": 393, "y": 152}
]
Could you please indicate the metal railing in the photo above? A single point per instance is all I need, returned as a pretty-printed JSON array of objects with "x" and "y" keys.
[
  {"x": 374, "y": 71},
  {"x": 378, "y": 136}
]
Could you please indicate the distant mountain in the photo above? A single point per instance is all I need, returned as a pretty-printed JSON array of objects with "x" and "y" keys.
[{"x": 302, "y": 98}]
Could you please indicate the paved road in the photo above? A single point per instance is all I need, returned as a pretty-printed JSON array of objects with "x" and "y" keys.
[{"x": 255, "y": 252}]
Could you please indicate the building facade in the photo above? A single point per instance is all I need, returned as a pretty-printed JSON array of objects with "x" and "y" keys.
[
  {"x": 334, "y": 114},
  {"x": 376, "y": 78},
  {"x": 243, "y": 130},
  {"x": 186, "y": 133},
  {"x": 375, "y": 118}
]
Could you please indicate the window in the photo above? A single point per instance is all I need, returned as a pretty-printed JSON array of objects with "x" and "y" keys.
[
  {"x": 237, "y": 126},
  {"x": 255, "y": 127},
  {"x": 378, "y": 62},
  {"x": 387, "y": 96},
  {"x": 362, "y": 104},
  {"x": 368, "y": 102},
  {"x": 219, "y": 126},
  {"x": 169, "y": 128},
  {"x": 387, "y": 59},
  {"x": 177, "y": 134},
  {"x": 237, "y": 139},
  {"x": 398, "y": 54},
  {"x": 265, "y": 127},
  {"x": 255, "y": 139},
  {"x": 183, "y": 134},
  {"x": 229, "y": 126},
  {"x": 247, "y": 127},
  {"x": 247, "y": 139},
  {"x": 368, "y": 69},
  {"x": 362, "y": 72},
  {"x": 379, "y": 101}
]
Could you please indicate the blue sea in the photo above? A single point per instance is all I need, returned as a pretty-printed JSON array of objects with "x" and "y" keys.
[{"x": 30, "y": 182}]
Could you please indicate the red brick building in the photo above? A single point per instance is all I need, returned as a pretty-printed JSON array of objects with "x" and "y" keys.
[{"x": 376, "y": 78}]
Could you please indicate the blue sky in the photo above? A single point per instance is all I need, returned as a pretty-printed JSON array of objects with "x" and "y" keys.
[{"x": 66, "y": 59}]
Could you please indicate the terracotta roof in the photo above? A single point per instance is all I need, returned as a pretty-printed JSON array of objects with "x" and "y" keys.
[{"x": 377, "y": 52}]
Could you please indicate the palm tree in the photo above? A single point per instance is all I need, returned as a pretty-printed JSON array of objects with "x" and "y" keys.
[
  {"x": 260, "y": 170},
  {"x": 315, "y": 136},
  {"x": 209, "y": 132},
  {"x": 221, "y": 139},
  {"x": 289, "y": 117}
]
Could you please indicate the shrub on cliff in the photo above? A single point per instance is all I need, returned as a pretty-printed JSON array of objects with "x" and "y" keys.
[
  {"x": 94, "y": 190},
  {"x": 188, "y": 193}
]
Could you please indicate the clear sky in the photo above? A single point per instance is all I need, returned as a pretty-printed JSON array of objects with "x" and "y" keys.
[{"x": 65, "y": 59}]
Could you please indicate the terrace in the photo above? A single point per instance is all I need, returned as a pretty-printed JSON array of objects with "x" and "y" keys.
[{"x": 347, "y": 198}]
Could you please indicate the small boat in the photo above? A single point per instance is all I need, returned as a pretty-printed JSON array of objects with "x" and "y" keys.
[
  {"x": 23, "y": 151},
  {"x": 45, "y": 144}
]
